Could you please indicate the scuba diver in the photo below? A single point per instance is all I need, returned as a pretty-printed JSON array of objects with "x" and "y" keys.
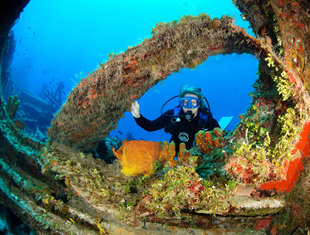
[{"x": 184, "y": 121}]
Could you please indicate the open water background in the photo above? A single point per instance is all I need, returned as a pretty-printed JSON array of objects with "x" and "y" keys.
[{"x": 63, "y": 40}]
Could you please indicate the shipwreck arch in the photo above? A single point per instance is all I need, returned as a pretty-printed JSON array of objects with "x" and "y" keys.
[
  {"x": 95, "y": 105},
  {"x": 35, "y": 178}
]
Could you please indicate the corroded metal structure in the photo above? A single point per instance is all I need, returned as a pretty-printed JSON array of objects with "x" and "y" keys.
[
  {"x": 54, "y": 188},
  {"x": 99, "y": 101}
]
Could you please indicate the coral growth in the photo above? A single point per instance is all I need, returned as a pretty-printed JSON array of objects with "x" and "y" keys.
[
  {"x": 184, "y": 154},
  {"x": 250, "y": 165},
  {"x": 263, "y": 141},
  {"x": 57, "y": 189},
  {"x": 208, "y": 140},
  {"x": 94, "y": 106},
  {"x": 181, "y": 188},
  {"x": 292, "y": 167},
  {"x": 211, "y": 145},
  {"x": 168, "y": 154},
  {"x": 259, "y": 156},
  {"x": 138, "y": 156}
]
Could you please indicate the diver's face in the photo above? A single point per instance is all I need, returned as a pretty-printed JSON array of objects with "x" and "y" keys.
[{"x": 194, "y": 103}]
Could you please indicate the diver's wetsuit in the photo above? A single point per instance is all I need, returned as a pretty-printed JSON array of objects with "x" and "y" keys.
[{"x": 182, "y": 130}]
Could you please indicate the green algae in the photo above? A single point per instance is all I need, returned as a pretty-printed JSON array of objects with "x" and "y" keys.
[
  {"x": 284, "y": 88},
  {"x": 181, "y": 188},
  {"x": 211, "y": 165}
]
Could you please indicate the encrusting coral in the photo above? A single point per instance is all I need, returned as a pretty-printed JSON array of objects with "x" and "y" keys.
[{"x": 208, "y": 140}]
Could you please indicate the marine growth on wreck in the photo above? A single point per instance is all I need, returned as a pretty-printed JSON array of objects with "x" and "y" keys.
[{"x": 252, "y": 179}]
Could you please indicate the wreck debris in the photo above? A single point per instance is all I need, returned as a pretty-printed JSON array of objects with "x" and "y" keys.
[{"x": 12, "y": 106}]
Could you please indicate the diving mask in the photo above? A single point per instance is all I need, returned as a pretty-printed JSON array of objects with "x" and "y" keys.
[{"x": 189, "y": 102}]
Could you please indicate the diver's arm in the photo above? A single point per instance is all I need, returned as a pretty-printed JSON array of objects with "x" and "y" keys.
[
  {"x": 153, "y": 125},
  {"x": 146, "y": 124}
]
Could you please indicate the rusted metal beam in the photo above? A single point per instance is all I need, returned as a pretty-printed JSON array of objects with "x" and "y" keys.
[{"x": 94, "y": 107}]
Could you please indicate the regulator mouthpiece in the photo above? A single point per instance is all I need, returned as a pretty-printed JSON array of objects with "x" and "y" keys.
[{"x": 189, "y": 115}]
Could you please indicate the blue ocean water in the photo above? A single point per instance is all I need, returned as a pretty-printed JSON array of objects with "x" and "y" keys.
[{"x": 63, "y": 40}]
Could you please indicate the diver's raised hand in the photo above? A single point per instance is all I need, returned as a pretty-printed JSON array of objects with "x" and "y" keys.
[{"x": 135, "y": 109}]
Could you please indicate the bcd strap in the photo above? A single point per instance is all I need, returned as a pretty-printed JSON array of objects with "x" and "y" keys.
[
  {"x": 203, "y": 119},
  {"x": 176, "y": 111}
]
